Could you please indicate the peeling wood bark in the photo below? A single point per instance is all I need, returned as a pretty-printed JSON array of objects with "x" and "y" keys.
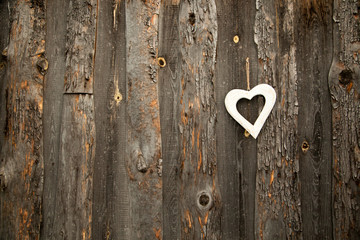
[
  {"x": 278, "y": 210},
  {"x": 111, "y": 219},
  {"x": 344, "y": 88},
  {"x": 80, "y": 46},
  {"x": 143, "y": 152},
  {"x": 21, "y": 149}
]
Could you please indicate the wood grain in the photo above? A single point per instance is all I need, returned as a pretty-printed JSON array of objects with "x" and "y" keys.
[
  {"x": 344, "y": 89},
  {"x": 143, "y": 152},
  {"x": 73, "y": 203},
  {"x": 188, "y": 82},
  {"x": 314, "y": 55},
  {"x": 56, "y": 12},
  {"x": 236, "y": 153},
  {"x": 80, "y": 46},
  {"x": 22, "y": 142},
  {"x": 169, "y": 94},
  {"x": 278, "y": 203},
  {"x": 111, "y": 207}
]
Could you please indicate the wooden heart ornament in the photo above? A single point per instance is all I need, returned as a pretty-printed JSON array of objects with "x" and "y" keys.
[{"x": 235, "y": 95}]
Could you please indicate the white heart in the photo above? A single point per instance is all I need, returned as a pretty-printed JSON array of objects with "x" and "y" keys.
[{"x": 235, "y": 95}]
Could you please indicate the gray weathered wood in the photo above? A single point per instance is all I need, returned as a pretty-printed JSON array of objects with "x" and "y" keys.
[
  {"x": 189, "y": 77},
  {"x": 143, "y": 152},
  {"x": 111, "y": 198},
  {"x": 80, "y": 46},
  {"x": 74, "y": 188},
  {"x": 53, "y": 93},
  {"x": 169, "y": 94},
  {"x": 21, "y": 155},
  {"x": 344, "y": 85}
]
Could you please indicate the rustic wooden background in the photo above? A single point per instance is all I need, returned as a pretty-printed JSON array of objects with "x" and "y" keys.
[{"x": 113, "y": 123}]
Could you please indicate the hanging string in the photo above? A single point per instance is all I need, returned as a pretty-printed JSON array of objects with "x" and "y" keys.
[
  {"x": 246, "y": 133},
  {"x": 248, "y": 73}
]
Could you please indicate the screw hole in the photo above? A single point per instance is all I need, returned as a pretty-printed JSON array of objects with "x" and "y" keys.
[
  {"x": 305, "y": 146},
  {"x": 236, "y": 39},
  {"x": 161, "y": 62}
]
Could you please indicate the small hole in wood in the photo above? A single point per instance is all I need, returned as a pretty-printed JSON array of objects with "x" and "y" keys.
[
  {"x": 118, "y": 97},
  {"x": 236, "y": 39},
  {"x": 204, "y": 200},
  {"x": 192, "y": 18},
  {"x": 305, "y": 146},
  {"x": 161, "y": 62},
  {"x": 345, "y": 77}
]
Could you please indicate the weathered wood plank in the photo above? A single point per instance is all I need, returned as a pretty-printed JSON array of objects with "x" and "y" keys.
[
  {"x": 56, "y": 12},
  {"x": 189, "y": 77},
  {"x": 111, "y": 208},
  {"x": 80, "y": 46},
  {"x": 236, "y": 153},
  {"x": 344, "y": 88},
  {"x": 4, "y": 41},
  {"x": 169, "y": 95},
  {"x": 21, "y": 149},
  {"x": 143, "y": 153},
  {"x": 73, "y": 209},
  {"x": 313, "y": 39},
  {"x": 278, "y": 210}
]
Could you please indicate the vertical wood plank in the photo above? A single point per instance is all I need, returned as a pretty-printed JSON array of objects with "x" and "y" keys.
[
  {"x": 313, "y": 58},
  {"x": 169, "y": 95},
  {"x": 4, "y": 41},
  {"x": 73, "y": 211},
  {"x": 111, "y": 193},
  {"x": 143, "y": 153},
  {"x": 80, "y": 46},
  {"x": 344, "y": 89},
  {"x": 53, "y": 94},
  {"x": 278, "y": 210},
  {"x": 21, "y": 166},
  {"x": 236, "y": 153},
  {"x": 188, "y": 83}
]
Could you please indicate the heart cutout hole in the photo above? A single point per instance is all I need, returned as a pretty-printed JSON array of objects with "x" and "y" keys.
[{"x": 250, "y": 108}]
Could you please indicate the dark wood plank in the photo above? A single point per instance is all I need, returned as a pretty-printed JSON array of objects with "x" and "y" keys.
[
  {"x": 80, "y": 46},
  {"x": 313, "y": 38},
  {"x": 111, "y": 209},
  {"x": 73, "y": 209},
  {"x": 21, "y": 149},
  {"x": 143, "y": 153},
  {"x": 169, "y": 95},
  {"x": 53, "y": 95},
  {"x": 344, "y": 88},
  {"x": 4, "y": 41},
  {"x": 236, "y": 152},
  {"x": 278, "y": 207}
]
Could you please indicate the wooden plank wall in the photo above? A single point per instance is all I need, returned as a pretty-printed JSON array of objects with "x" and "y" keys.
[{"x": 113, "y": 124}]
